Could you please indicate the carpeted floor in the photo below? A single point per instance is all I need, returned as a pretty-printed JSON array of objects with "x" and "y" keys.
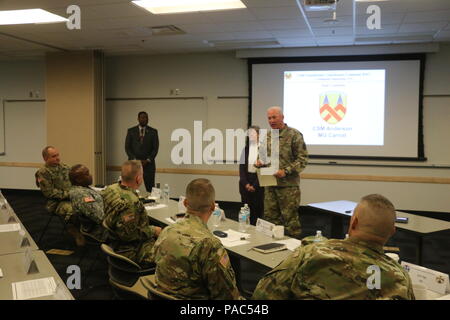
[{"x": 29, "y": 206}]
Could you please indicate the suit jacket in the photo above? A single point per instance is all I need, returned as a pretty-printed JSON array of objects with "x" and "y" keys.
[
  {"x": 142, "y": 151},
  {"x": 244, "y": 175}
]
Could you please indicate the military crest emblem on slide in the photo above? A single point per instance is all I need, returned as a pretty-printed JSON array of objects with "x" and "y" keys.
[{"x": 333, "y": 106}]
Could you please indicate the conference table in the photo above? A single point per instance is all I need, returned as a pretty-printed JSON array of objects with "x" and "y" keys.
[
  {"x": 417, "y": 225},
  {"x": 13, "y": 269},
  {"x": 13, "y": 248},
  {"x": 12, "y": 241}
]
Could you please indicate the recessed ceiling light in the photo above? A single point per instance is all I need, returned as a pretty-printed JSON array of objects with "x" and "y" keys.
[
  {"x": 178, "y": 6},
  {"x": 27, "y": 16}
]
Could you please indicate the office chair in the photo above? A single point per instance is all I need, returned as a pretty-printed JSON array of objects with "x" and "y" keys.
[
  {"x": 124, "y": 274},
  {"x": 149, "y": 282}
]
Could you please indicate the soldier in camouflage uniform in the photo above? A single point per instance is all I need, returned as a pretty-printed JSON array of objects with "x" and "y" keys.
[
  {"x": 87, "y": 203},
  {"x": 53, "y": 180},
  {"x": 126, "y": 218},
  {"x": 281, "y": 202},
  {"x": 344, "y": 269},
  {"x": 191, "y": 262}
]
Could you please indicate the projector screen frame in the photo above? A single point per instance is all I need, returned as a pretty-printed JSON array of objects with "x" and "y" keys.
[{"x": 421, "y": 57}]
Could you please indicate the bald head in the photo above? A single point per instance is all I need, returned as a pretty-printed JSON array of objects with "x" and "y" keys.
[
  {"x": 374, "y": 218},
  {"x": 131, "y": 173},
  {"x": 275, "y": 117},
  {"x": 51, "y": 156},
  {"x": 200, "y": 196}
]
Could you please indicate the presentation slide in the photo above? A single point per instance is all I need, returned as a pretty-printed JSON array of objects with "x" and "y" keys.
[
  {"x": 336, "y": 107},
  {"x": 345, "y": 109}
]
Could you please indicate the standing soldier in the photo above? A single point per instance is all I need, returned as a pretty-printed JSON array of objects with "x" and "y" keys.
[
  {"x": 191, "y": 263},
  {"x": 281, "y": 202},
  {"x": 126, "y": 217},
  {"x": 87, "y": 203},
  {"x": 352, "y": 269},
  {"x": 53, "y": 180}
]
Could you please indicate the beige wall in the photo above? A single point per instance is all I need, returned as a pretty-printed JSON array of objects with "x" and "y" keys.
[{"x": 70, "y": 106}]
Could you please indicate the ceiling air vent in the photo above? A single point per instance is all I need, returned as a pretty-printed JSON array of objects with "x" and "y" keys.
[
  {"x": 166, "y": 30},
  {"x": 242, "y": 43}
]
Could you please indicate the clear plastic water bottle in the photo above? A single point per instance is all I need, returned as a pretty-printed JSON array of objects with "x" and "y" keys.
[
  {"x": 247, "y": 212},
  {"x": 216, "y": 216},
  {"x": 318, "y": 237},
  {"x": 166, "y": 194},
  {"x": 242, "y": 220}
]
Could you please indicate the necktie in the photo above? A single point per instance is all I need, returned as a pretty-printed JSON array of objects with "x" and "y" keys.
[{"x": 141, "y": 137}]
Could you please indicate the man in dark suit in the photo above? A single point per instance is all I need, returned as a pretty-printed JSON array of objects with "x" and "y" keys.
[{"x": 142, "y": 143}]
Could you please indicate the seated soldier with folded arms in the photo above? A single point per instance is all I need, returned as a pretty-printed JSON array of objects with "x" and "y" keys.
[
  {"x": 53, "y": 180},
  {"x": 126, "y": 217},
  {"x": 355, "y": 268},
  {"x": 87, "y": 203},
  {"x": 191, "y": 263}
]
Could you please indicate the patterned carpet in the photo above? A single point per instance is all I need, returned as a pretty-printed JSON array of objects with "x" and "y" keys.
[{"x": 29, "y": 206}]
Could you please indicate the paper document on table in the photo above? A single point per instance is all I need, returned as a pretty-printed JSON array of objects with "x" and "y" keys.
[
  {"x": 9, "y": 227},
  {"x": 291, "y": 244},
  {"x": 266, "y": 177},
  {"x": 170, "y": 220},
  {"x": 33, "y": 288},
  {"x": 158, "y": 206},
  {"x": 234, "y": 238}
]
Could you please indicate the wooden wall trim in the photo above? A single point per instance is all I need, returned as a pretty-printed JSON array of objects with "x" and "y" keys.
[
  {"x": 21, "y": 164},
  {"x": 311, "y": 176},
  {"x": 232, "y": 173}
]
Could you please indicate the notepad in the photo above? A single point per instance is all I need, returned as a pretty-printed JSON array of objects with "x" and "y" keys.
[
  {"x": 154, "y": 207},
  {"x": 9, "y": 227},
  {"x": 30, "y": 289},
  {"x": 270, "y": 247}
]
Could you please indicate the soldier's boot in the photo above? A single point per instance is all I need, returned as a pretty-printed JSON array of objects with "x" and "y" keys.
[{"x": 76, "y": 234}]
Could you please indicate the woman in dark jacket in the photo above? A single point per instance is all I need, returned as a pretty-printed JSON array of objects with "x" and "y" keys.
[{"x": 251, "y": 192}]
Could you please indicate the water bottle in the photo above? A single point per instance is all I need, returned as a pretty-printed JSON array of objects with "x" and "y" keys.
[
  {"x": 216, "y": 216},
  {"x": 318, "y": 237},
  {"x": 166, "y": 194},
  {"x": 247, "y": 212},
  {"x": 242, "y": 220},
  {"x": 346, "y": 236}
]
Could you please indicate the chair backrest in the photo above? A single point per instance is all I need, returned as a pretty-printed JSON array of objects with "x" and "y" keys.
[
  {"x": 123, "y": 270},
  {"x": 149, "y": 282},
  {"x": 110, "y": 252}
]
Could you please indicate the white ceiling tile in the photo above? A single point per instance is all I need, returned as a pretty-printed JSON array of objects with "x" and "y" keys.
[
  {"x": 342, "y": 21},
  {"x": 230, "y": 15},
  {"x": 332, "y": 32},
  {"x": 283, "y": 24},
  {"x": 291, "y": 33},
  {"x": 334, "y": 40},
  {"x": 268, "y": 3},
  {"x": 443, "y": 35},
  {"x": 385, "y": 19},
  {"x": 385, "y": 29},
  {"x": 422, "y": 27},
  {"x": 287, "y": 13},
  {"x": 252, "y": 35},
  {"x": 222, "y": 27},
  {"x": 427, "y": 16}
]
